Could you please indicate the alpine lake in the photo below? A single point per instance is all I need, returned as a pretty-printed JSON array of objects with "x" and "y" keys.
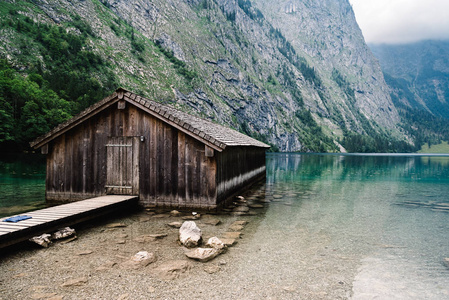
[{"x": 361, "y": 226}]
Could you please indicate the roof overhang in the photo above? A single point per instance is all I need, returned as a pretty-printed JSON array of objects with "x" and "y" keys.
[{"x": 122, "y": 94}]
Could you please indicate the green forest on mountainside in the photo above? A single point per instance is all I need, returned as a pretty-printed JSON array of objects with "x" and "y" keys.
[
  {"x": 58, "y": 72},
  {"x": 63, "y": 76},
  {"x": 37, "y": 99}
]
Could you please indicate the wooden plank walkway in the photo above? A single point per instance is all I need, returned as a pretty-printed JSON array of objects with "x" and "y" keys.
[{"x": 50, "y": 219}]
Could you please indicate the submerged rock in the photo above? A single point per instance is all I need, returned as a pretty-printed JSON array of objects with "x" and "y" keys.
[
  {"x": 175, "y": 213},
  {"x": 240, "y": 222},
  {"x": 255, "y": 205},
  {"x": 235, "y": 227},
  {"x": 190, "y": 234},
  {"x": 241, "y": 208},
  {"x": 232, "y": 235},
  {"x": 211, "y": 221},
  {"x": 75, "y": 282},
  {"x": 229, "y": 242},
  {"x": 446, "y": 262},
  {"x": 172, "y": 269},
  {"x": 116, "y": 225},
  {"x": 203, "y": 254},
  {"x": 216, "y": 243},
  {"x": 139, "y": 260},
  {"x": 175, "y": 224}
]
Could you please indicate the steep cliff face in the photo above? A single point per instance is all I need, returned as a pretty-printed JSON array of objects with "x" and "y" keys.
[
  {"x": 296, "y": 74},
  {"x": 325, "y": 32},
  {"x": 421, "y": 71}
]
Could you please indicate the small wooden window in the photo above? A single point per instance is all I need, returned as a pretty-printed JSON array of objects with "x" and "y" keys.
[{"x": 121, "y": 104}]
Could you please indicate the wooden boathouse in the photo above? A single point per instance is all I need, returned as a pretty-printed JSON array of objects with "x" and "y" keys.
[{"x": 129, "y": 145}]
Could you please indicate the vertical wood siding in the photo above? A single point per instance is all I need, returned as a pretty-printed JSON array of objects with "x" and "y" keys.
[
  {"x": 173, "y": 170},
  {"x": 238, "y": 167}
]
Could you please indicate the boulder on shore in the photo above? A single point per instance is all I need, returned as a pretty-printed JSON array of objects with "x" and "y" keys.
[
  {"x": 190, "y": 234},
  {"x": 63, "y": 233},
  {"x": 42, "y": 240}
]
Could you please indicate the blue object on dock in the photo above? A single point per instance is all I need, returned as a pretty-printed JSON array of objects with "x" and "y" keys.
[{"x": 17, "y": 219}]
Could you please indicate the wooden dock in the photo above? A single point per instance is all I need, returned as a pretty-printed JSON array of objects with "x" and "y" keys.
[{"x": 50, "y": 219}]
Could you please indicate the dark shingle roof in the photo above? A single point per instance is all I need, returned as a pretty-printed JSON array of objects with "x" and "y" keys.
[{"x": 215, "y": 135}]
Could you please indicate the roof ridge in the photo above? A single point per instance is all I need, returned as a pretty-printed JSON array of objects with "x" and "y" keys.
[
  {"x": 200, "y": 129},
  {"x": 205, "y": 130}
]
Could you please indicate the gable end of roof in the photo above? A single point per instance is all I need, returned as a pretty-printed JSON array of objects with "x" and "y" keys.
[{"x": 209, "y": 133}]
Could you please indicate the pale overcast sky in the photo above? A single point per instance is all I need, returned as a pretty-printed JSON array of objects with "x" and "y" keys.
[{"x": 402, "y": 21}]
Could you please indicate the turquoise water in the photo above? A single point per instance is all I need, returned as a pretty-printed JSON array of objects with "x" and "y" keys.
[
  {"x": 333, "y": 226},
  {"x": 22, "y": 183},
  {"x": 375, "y": 227}
]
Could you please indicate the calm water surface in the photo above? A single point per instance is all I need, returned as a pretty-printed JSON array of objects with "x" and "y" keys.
[
  {"x": 381, "y": 222},
  {"x": 22, "y": 183},
  {"x": 334, "y": 226}
]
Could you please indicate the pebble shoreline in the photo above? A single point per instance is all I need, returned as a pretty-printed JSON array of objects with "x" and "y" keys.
[{"x": 96, "y": 264}]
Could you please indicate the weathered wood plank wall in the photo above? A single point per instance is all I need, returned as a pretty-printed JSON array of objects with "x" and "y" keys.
[
  {"x": 238, "y": 168},
  {"x": 172, "y": 167}
]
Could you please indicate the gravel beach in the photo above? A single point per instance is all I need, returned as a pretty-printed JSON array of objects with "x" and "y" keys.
[{"x": 261, "y": 264}]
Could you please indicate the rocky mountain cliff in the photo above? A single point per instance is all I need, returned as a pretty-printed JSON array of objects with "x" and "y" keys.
[
  {"x": 296, "y": 74},
  {"x": 421, "y": 71}
]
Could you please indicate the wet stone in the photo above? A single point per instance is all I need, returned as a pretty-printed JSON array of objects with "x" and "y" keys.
[
  {"x": 175, "y": 213},
  {"x": 228, "y": 242},
  {"x": 446, "y": 262},
  {"x": 211, "y": 221},
  {"x": 84, "y": 252},
  {"x": 235, "y": 227},
  {"x": 190, "y": 234},
  {"x": 144, "y": 219},
  {"x": 241, "y": 209},
  {"x": 116, "y": 225},
  {"x": 75, "y": 282},
  {"x": 256, "y": 205},
  {"x": 160, "y": 216},
  {"x": 175, "y": 224},
  {"x": 144, "y": 239},
  {"x": 231, "y": 235},
  {"x": 240, "y": 222},
  {"x": 172, "y": 269},
  {"x": 203, "y": 254},
  {"x": 43, "y": 295},
  {"x": 158, "y": 235},
  {"x": 139, "y": 260},
  {"x": 216, "y": 243},
  {"x": 212, "y": 269},
  {"x": 239, "y": 213}
]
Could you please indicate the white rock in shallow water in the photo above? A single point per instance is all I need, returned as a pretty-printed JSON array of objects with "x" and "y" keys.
[
  {"x": 140, "y": 259},
  {"x": 190, "y": 234},
  {"x": 446, "y": 262},
  {"x": 215, "y": 243},
  {"x": 203, "y": 254}
]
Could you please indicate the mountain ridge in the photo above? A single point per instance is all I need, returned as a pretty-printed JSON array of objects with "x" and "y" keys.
[{"x": 311, "y": 87}]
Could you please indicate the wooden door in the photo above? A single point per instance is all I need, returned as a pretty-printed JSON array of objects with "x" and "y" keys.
[{"x": 122, "y": 166}]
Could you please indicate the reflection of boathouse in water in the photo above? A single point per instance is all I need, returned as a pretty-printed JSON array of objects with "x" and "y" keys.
[{"x": 126, "y": 144}]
